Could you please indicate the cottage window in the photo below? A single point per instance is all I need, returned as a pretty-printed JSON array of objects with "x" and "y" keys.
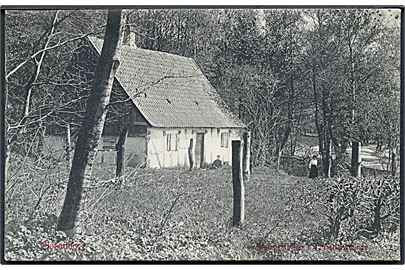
[
  {"x": 224, "y": 139},
  {"x": 171, "y": 142}
]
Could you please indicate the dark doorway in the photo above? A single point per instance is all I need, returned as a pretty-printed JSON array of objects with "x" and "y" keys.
[{"x": 199, "y": 150}]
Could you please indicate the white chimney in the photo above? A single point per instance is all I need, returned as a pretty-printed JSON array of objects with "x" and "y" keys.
[{"x": 132, "y": 39}]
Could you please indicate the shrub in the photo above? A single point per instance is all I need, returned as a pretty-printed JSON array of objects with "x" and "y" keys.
[{"x": 170, "y": 214}]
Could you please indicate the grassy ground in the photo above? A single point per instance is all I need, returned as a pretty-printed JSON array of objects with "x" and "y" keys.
[{"x": 177, "y": 215}]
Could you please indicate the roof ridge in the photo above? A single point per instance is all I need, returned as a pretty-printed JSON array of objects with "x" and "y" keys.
[{"x": 143, "y": 49}]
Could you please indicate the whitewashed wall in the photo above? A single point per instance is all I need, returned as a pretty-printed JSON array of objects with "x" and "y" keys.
[
  {"x": 155, "y": 147},
  {"x": 159, "y": 156}
]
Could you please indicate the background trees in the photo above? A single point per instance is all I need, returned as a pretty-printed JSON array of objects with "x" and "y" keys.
[
  {"x": 39, "y": 46},
  {"x": 280, "y": 71}
]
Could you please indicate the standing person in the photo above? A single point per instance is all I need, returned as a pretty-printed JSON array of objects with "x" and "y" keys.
[{"x": 313, "y": 167}]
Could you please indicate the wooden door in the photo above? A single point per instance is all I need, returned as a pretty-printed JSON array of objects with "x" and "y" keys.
[{"x": 199, "y": 150}]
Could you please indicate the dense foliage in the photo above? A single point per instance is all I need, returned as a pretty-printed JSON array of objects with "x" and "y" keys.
[
  {"x": 283, "y": 72},
  {"x": 182, "y": 215}
]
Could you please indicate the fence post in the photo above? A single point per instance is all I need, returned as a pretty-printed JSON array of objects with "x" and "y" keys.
[
  {"x": 246, "y": 156},
  {"x": 359, "y": 161},
  {"x": 190, "y": 154},
  {"x": 393, "y": 163},
  {"x": 356, "y": 159},
  {"x": 238, "y": 187},
  {"x": 120, "y": 147}
]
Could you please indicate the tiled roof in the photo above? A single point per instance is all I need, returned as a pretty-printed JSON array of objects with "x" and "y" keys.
[{"x": 175, "y": 93}]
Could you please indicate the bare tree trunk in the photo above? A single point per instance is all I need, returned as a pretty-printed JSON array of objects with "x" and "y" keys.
[
  {"x": 92, "y": 126},
  {"x": 68, "y": 145},
  {"x": 356, "y": 168},
  {"x": 328, "y": 174},
  {"x": 7, "y": 146},
  {"x": 28, "y": 91},
  {"x": 317, "y": 122},
  {"x": 6, "y": 160},
  {"x": 292, "y": 144},
  {"x": 389, "y": 158},
  {"x": 280, "y": 147}
]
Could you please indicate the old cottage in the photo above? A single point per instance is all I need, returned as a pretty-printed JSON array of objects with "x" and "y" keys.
[{"x": 164, "y": 100}]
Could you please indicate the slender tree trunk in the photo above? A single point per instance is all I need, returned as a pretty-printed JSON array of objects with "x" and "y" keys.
[
  {"x": 92, "y": 126},
  {"x": 326, "y": 132},
  {"x": 287, "y": 132},
  {"x": 329, "y": 170},
  {"x": 6, "y": 159},
  {"x": 389, "y": 158},
  {"x": 28, "y": 91},
  {"x": 317, "y": 124},
  {"x": 35, "y": 75},
  {"x": 68, "y": 145},
  {"x": 356, "y": 168},
  {"x": 6, "y": 124},
  {"x": 282, "y": 143}
]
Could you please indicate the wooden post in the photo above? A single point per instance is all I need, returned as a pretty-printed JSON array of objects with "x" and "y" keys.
[
  {"x": 359, "y": 160},
  {"x": 120, "y": 147},
  {"x": 238, "y": 187},
  {"x": 393, "y": 163},
  {"x": 190, "y": 154},
  {"x": 356, "y": 159},
  {"x": 246, "y": 155}
]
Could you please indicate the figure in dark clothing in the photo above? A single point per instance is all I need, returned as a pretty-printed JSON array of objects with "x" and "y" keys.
[
  {"x": 313, "y": 167},
  {"x": 217, "y": 163}
]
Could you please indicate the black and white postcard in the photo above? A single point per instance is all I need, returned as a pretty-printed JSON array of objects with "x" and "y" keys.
[{"x": 201, "y": 134}]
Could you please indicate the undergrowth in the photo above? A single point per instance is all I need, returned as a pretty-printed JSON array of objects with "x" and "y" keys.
[{"x": 171, "y": 214}]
